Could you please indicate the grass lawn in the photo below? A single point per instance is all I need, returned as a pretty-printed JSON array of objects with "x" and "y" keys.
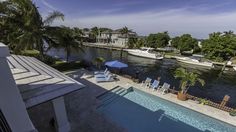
[
  {"x": 66, "y": 66},
  {"x": 33, "y": 53},
  {"x": 55, "y": 63}
]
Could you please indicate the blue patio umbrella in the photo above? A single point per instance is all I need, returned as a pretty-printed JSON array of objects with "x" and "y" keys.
[{"x": 116, "y": 64}]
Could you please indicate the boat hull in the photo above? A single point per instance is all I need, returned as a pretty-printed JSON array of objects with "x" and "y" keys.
[
  {"x": 234, "y": 68},
  {"x": 145, "y": 55},
  {"x": 209, "y": 65}
]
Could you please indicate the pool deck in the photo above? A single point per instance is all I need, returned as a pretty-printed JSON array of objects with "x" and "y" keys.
[{"x": 126, "y": 83}]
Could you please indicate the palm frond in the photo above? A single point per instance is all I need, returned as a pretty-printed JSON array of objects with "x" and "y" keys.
[
  {"x": 201, "y": 81},
  {"x": 52, "y": 16},
  {"x": 187, "y": 79},
  {"x": 180, "y": 73}
]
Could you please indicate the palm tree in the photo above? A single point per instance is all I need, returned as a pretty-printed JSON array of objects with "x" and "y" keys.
[
  {"x": 24, "y": 26},
  {"x": 125, "y": 31},
  {"x": 188, "y": 79},
  {"x": 230, "y": 32},
  {"x": 67, "y": 41},
  {"x": 99, "y": 61},
  {"x": 77, "y": 33},
  {"x": 95, "y": 32}
]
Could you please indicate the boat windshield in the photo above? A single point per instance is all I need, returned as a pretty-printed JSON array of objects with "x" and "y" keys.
[{"x": 144, "y": 49}]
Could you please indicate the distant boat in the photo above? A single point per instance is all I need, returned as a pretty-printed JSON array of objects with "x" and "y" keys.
[
  {"x": 234, "y": 68},
  {"x": 145, "y": 53},
  {"x": 230, "y": 63},
  {"x": 195, "y": 61}
]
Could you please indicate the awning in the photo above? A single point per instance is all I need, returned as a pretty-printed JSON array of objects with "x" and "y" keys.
[{"x": 38, "y": 82}]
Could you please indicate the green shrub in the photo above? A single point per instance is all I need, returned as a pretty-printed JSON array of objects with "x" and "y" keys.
[
  {"x": 35, "y": 53},
  {"x": 47, "y": 59},
  {"x": 203, "y": 101},
  {"x": 65, "y": 66},
  {"x": 32, "y": 53},
  {"x": 232, "y": 113}
]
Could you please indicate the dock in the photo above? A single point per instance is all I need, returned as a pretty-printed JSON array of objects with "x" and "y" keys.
[{"x": 103, "y": 46}]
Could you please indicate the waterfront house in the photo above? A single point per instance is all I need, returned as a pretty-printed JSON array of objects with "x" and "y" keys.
[
  {"x": 115, "y": 37},
  {"x": 27, "y": 82}
]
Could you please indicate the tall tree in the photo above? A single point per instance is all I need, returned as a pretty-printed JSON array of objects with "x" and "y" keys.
[
  {"x": 105, "y": 29},
  {"x": 185, "y": 42},
  {"x": 220, "y": 46},
  {"x": 132, "y": 42},
  {"x": 94, "y": 33},
  {"x": 158, "y": 40},
  {"x": 99, "y": 61},
  {"x": 68, "y": 41},
  {"x": 77, "y": 33},
  {"x": 162, "y": 39},
  {"x": 140, "y": 42},
  {"x": 125, "y": 31},
  {"x": 151, "y": 40},
  {"x": 24, "y": 27}
]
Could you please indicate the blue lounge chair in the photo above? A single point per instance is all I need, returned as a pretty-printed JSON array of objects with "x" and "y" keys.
[
  {"x": 154, "y": 85},
  {"x": 146, "y": 83},
  {"x": 102, "y": 75},
  {"x": 165, "y": 87},
  {"x": 100, "y": 72},
  {"x": 109, "y": 78}
]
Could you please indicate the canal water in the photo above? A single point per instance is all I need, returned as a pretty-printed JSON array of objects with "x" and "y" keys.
[{"x": 216, "y": 87}]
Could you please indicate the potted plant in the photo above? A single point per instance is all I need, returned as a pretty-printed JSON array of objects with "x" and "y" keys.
[{"x": 188, "y": 79}]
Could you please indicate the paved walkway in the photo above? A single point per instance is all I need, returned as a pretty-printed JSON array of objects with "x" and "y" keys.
[{"x": 126, "y": 83}]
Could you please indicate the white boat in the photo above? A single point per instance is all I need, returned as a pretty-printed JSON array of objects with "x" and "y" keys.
[
  {"x": 230, "y": 63},
  {"x": 234, "y": 68},
  {"x": 145, "y": 53},
  {"x": 195, "y": 61}
]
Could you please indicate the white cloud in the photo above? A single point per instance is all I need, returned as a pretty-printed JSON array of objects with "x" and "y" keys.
[
  {"x": 49, "y": 6},
  {"x": 176, "y": 21}
]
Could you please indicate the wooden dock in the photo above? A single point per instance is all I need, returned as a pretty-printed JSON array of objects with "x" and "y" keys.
[{"x": 103, "y": 46}]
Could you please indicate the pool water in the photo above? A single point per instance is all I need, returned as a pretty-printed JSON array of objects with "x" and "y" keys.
[{"x": 137, "y": 111}]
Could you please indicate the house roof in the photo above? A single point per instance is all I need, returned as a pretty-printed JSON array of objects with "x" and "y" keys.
[{"x": 38, "y": 82}]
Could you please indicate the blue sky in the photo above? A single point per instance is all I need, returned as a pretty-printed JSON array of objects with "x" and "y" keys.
[{"x": 197, "y": 17}]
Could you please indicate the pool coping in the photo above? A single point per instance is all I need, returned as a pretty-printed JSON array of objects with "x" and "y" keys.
[
  {"x": 203, "y": 109},
  {"x": 181, "y": 105},
  {"x": 195, "y": 107}
]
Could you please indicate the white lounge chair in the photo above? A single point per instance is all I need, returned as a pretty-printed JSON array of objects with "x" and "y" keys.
[
  {"x": 146, "y": 83},
  {"x": 109, "y": 78},
  {"x": 154, "y": 85},
  {"x": 102, "y": 75},
  {"x": 100, "y": 72},
  {"x": 164, "y": 88}
]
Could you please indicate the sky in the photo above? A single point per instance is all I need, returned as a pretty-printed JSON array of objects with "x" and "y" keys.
[{"x": 196, "y": 17}]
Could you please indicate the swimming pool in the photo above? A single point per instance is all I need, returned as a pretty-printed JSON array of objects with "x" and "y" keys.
[{"x": 137, "y": 111}]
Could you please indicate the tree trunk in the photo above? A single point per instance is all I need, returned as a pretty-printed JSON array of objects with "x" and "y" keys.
[
  {"x": 67, "y": 57},
  {"x": 67, "y": 54}
]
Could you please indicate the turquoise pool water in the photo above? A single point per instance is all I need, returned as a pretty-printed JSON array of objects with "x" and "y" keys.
[{"x": 137, "y": 111}]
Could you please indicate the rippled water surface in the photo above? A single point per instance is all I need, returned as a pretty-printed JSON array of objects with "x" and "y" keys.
[{"x": 215, "y": 89}]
